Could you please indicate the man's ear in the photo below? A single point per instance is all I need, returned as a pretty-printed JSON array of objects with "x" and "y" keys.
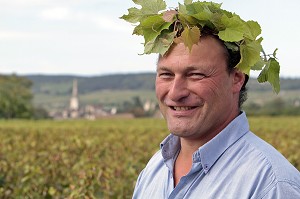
[{"x": 238, "y": 80}]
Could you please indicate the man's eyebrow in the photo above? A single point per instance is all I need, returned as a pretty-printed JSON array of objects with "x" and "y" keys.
[
  {"x": 164, "y": 68},
  {"x": 186, "y": 69},
  {"x": 191, "y": 68}
]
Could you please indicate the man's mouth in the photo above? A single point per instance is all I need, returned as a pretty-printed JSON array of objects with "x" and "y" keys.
[{"x": 182, "y": 108}]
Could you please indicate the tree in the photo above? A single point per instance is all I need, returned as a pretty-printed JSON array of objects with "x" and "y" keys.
[{"x": 15, "y": 97}]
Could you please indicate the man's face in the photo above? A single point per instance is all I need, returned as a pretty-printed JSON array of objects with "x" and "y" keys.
[{"x": 196, "y": 94}]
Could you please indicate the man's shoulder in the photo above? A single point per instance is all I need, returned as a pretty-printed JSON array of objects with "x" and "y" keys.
[
  {"x": 254, "y": 167},
  {"x": 264, "y": 158}
]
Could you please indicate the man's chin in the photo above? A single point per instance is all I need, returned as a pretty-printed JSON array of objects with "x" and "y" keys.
[{"x": 179, "y": 131}]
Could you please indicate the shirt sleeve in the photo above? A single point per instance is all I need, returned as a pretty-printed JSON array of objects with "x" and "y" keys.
[{"x": 283, "y": 190}]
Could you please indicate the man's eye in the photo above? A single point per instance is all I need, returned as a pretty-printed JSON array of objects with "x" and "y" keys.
[
  {"x": 197, "y": 76},
  {"x": 165, "y": 75}
]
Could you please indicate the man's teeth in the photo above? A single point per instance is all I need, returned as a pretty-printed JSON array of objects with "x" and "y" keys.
[{"x": 182, "y": 108}]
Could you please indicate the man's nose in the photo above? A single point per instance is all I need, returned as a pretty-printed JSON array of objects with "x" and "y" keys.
[{"x": 178, "y": 89}]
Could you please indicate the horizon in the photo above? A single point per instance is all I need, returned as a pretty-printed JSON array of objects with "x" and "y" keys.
[{"x": 112, "y": 74}]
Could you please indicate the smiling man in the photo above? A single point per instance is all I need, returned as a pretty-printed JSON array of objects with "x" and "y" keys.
[
  {"x": 211, "y": 153},
  {"x": 200, "y": 86}
]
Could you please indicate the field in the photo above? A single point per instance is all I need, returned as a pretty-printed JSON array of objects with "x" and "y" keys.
[{"x": 99, "y": 159}]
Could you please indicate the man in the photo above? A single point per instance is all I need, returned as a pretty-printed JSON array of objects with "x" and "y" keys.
[{"x": 210, "y": 153}]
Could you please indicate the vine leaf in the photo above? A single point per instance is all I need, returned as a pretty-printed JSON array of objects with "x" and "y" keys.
[
  {"x": 152, "y": 27},
  {"x": 253, "y": 30},
  {"x": 134, "y": 15},
  {"x": 191, "y": 36},
  {"x": 149, "y": 8},
  {"x": 259, "y": 65},
  {"x": 250, "y": 55},
  {"x": 270, "y": 73},
  {"x": 234, "y": 30},
  {"x": 160, "y": 44},
  {"x": 169, "y": 16}
]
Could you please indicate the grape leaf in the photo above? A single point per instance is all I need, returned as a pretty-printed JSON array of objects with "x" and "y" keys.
[
  {"x": 234, "y": 30},
  {"x": 151, "y": 6},
  {"x": 198, "y": 7},
  {"x": 178, "y": 40},
  {"x": 250, "y": 55},
  {"x": 134, "y": 15},
  {"x": 138, "y": 2},
  {"x": 138, "y": 30},
  {"x": 270, "y": 73},
  {"x": 182, "y": 8},
  {"x": 259, "y": 65},
  {"x": 187, "y": 20},
  {"x": 188, "y": 2},
  {"x": 160, "y": 44},
  {"x": 152, "y": 27},
  {"x": 191, "y": 36},
  {"x": 230, "y": 35},
  {"x": 169, "y": 16},
  {"x": 253, "y": 30}
]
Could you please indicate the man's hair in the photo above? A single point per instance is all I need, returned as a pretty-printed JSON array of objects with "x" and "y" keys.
[{"x": 233, "y": 58}]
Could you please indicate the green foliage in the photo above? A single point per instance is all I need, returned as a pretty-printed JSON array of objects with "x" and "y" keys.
[
  {"x": 269, "y": 74},
  {"x": 99, "y": 159},
  {"x": 75, "y": 159},
  {"x": 161, "y": 28},
  {"x": 15, "y": 97}
]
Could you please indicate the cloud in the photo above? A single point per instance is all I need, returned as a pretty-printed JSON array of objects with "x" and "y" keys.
[
  {"x": 57, "y": 13},
  {"x": 22, "y": 3},
  {"x": 109, "y": 23},
  {"x": 19, "y": 35},
  {"x": 104, "y": 22}
]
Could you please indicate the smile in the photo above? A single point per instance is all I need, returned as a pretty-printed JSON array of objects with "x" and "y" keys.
[{"x": 182, "y": 108}]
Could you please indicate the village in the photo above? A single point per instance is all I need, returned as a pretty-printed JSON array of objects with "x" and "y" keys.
[{"x": 92, "y": 112}]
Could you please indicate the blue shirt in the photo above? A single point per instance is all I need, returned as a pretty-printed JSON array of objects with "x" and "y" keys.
[{"x": 234, "y": 164}]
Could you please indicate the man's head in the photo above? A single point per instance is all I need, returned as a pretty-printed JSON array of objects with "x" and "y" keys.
[
  {"x": 233, "y": 58},
  {"x": 186, "y": 23},
  {"x": 197, "y": 93}
]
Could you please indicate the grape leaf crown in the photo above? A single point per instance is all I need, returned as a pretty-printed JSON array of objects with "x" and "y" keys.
[{"x": 161, "y": 28}]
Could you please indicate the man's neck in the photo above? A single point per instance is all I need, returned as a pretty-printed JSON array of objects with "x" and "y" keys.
[{"x": 184, "y": 160}]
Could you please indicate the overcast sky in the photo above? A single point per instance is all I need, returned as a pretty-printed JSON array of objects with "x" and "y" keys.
[{"x": 86, "y": 37}]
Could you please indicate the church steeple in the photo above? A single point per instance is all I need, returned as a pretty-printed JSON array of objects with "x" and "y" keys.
[{"x": 74, "y": 102}]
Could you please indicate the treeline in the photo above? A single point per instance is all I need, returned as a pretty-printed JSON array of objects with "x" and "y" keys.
[
  {"x": 16, "y": 98},
  {"x": 62, "y": 84},
  {"x": 275, "y": 107}
]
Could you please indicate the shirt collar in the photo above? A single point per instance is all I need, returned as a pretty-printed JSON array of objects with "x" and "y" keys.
[
  {"x": 212, "y": 150},
  {"x": 170, "y": 146}
]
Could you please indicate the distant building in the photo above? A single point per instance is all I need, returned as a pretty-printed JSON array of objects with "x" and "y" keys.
[
  {"x": 92, "y": 112},
  {"x": 75, "y": 111},
  {"x": 74, "y": 102}
]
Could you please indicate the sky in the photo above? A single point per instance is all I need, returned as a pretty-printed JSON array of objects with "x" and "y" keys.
[{"x": 80, "y": 37}]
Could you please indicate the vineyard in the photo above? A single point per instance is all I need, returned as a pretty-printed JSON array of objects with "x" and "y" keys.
[{"x": 99, "y": 159}]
